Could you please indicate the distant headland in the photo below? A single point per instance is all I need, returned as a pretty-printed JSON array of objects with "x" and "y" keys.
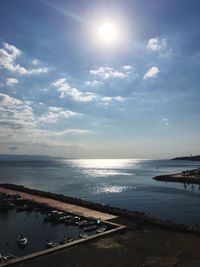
[
  {"x": 192, "y": 158},
  {"x": 12, "y": 157}
]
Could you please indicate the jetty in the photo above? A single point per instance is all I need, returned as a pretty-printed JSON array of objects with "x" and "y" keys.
[
  {"x": 186, "y": 177},
  {"x": 57, "y": 204}
]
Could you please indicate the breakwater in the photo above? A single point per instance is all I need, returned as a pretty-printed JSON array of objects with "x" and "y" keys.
[
  {"x": 187, "y": 177},
  {"x": 140, "y": 218}
]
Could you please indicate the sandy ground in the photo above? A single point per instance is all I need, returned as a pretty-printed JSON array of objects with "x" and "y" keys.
[
  {"x": 151, "y": 247},
  {"x": 61, "y": 205}
]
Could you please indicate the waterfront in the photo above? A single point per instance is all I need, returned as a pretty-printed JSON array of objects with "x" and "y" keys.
[{"x": 123, "y": 183}]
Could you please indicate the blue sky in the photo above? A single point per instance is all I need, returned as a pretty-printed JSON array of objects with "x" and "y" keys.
[{"x": 64, "y": 91}]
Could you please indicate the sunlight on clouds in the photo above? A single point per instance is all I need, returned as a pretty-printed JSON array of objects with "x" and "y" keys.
[
  {"x": 9, "y": 54},
  {"x": 151, "y": 73},
  {"x": 56, "y": 113},
  {"x": 66, "y": 90},
  {"x": 157, "y": 44},
  {"x": 108, "y": 72},
  {"x": 11, "y": 81}
]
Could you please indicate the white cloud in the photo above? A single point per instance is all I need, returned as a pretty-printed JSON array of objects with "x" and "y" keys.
[
  {"x": 65, "y": 89},
  {"x": 56, "y": 113},
  {"x": 11, "y": 81},
  {"x": 12, "y": 49},
  {"x": 81, "y": 96},
  {"x": 40, "y": 133},
  {"x": 127, "y": 67},
  {"x": 107, "y": 72},
  {"x": 92, "y": 83},
  {"x": 166, "y": 121},
  {"x": 35, "y": 62},
  {"x": 8, "y": 56},
  {"x": 156, "y": 44},
  {"x": 15, "y": 113},
  {"x": 106, "y": 100},
  {"x": 151, "y": 73}
]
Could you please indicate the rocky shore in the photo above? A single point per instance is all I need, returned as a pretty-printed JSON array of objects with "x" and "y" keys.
[{"x": 140, "y": 218}]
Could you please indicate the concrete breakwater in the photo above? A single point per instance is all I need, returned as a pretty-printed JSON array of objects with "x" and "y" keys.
[{"x": 140, "y": 218}]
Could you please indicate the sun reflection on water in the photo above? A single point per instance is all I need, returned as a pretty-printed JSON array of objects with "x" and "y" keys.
[
  {"x": 110, "y": 189},
  {"x": 105, "y": 163}
]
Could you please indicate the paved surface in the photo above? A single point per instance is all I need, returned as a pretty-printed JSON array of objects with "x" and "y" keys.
[{"x": 61, "y": 205}]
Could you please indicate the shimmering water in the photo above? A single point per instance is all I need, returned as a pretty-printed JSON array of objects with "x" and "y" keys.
[{"x": 125, "y": 183}]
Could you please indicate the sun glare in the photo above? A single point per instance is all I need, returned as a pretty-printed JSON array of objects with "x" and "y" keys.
[{"x": 107, "y": 32}]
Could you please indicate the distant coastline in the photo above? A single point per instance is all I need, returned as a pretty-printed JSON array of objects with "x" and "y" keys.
[
  {"x": 192, "y": 158},
  {"x": 12, "y": 157}
]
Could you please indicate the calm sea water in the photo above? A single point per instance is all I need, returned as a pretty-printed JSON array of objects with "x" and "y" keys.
[{"x": 125, "y": 183}]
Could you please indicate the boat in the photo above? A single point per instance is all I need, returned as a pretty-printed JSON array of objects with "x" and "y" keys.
[
  {"x": 50, "y": 244},
  {"x": 22, "y": 240},
  {"x": 8, "y": 257},
  {"x": 101, "y": 229},
  {"x": 66, "y": 240},
  {"x": 90, "y": 228},
  {"x": 83, "y": 235}
]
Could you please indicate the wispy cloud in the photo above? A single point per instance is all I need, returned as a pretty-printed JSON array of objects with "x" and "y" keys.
[
  {"x": 15, "y": 113},
  {"x": 108, "y": 72},
  {"x": 159, "y": 45},
  {"x": 156, "y": 44},
  {"x": 11, "y": 81},
  {"x": 151, "y": 73},
  {"x": 9, "y": 54},
  {"x": 166, "y": 121},
  {"x": 92, "y": 83},
  {"x": 106, "y": 100},
  {"x": 66, "y": 90},
  {"x": 56, "y": 113}
]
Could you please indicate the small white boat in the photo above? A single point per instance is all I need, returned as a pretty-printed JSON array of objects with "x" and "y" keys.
[
  {"x": 101, "y": 229},
  {"x": 51, "y": 244},
  {"x": 83, "y": 235},
  {"x": 22, "y": 240}
]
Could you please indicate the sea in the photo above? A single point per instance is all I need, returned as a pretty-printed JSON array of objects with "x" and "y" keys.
[{"x": 124, "y": 183}]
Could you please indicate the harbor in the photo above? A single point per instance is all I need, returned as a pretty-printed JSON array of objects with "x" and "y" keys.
[{"x": 32, "y": 228}]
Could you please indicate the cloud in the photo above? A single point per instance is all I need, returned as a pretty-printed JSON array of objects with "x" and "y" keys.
[
  {"x": 106, "y": 100},
  {"x": 156, "y": 44},
  {"x": 81, "y": 96},
  {"x": 40, "y": 133},
  {"x": 151, "y": 73},
  {"x": 107, "y": 72},
  {"x": 56, "y": 113},
  {"x": 166, "y": 121},
  {"x": 35, "y": 61},
  {"x": 127, "y": 67},
  {"x": 9, "y": 54},
  {"x": 92, "y": 83},
  {"x": 11, "y": 81},
  {"x": 15, "y": 113},
  {"x": 66, "y": 90}
]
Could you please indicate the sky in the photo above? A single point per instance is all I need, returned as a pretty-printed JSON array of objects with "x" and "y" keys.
[{"x": 71, "y": 87}]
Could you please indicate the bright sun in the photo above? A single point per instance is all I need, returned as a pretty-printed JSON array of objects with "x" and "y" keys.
[{"x": 107, "y": 32}]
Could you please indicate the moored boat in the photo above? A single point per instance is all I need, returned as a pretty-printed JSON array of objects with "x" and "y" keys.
[
  {"x": 83, "y": 235},
  {"x": 22, "y": 240},
  {"x": 50, "y": 244},
  {"x": 101, "y": 229}
]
